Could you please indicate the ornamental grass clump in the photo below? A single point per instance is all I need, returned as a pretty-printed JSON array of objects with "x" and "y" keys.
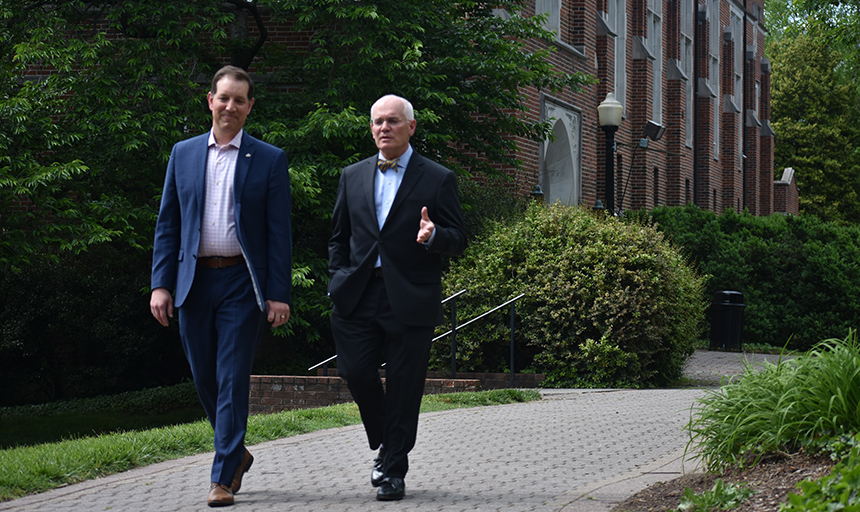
[
  {"x": 809, "y": 401},
  {"x": 607, "y": 303}
]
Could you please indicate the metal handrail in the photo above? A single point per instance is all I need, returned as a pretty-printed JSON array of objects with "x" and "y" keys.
[
  {"x": 500, "y": 306},
  {"x": 322, "y": 363},
  {"x": 446, "y": 299},
  {"x": 453, "y": 333},
  {"x": 332, "y": 358}
]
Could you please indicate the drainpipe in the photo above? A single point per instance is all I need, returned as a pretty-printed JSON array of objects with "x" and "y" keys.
[
  {"x": 695, "y": 79},
  {"x": 744, "y": 109}
]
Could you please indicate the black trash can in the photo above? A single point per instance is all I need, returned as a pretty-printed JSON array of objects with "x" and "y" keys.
[{"x": 727, "y": 319}]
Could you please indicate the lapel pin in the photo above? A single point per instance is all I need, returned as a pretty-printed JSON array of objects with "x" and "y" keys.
[{"x": 247, "y": 155}]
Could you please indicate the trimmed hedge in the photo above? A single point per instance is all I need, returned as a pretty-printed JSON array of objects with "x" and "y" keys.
[
  {"x": 607, "y": 303},
  {"x": 800, "y": 277},
  {"x": 81, "y": 328}
]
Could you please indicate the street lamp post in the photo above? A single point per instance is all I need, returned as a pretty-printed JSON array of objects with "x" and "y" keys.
[{"x": 609, "y": 114}]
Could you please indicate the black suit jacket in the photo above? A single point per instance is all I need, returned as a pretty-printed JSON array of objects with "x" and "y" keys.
[{"x": 412, "y": 271}]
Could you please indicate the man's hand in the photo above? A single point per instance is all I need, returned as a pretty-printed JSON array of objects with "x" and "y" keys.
[
  {"x": 278, "y": 312},
  {"x": 161, "y": 305},
  {"x": 425, "y": 227}
]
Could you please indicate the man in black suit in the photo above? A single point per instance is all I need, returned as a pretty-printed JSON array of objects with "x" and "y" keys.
[{"x": 395, "y": 215}]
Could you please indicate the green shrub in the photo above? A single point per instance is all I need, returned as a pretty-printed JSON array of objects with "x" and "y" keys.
[
  {"x": 607, "y": 303},
  {"x": 486, "y": 202},
  {"x": 806, "y": 401},
  {"x": 836, "y": 491},
  {"x": 722, "y": 496},
  {"x": 82, "y": 327},
  {"x": 800, "y": 276}
]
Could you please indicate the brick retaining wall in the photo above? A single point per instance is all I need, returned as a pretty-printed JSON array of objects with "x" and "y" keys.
[{"x": 275, "y": 393}]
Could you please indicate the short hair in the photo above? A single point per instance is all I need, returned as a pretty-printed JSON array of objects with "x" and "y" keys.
[
  {"x": 408, "y": 111},
  {"x": 236, "y": 73}
]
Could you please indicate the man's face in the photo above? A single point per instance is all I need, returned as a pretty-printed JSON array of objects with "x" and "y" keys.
[
  {"x": 391, "y": 131},
  {"x": 230, "y": 106}
]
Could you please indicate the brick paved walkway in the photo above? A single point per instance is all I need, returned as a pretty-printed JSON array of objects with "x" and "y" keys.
[{"x": 574, "y": 451}]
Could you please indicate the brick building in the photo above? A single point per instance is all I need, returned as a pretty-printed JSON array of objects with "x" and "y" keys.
[{"x": 696, "y": 70}]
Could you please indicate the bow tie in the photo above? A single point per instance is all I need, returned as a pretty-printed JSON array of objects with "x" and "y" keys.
[{"x": 385, "y": 165}]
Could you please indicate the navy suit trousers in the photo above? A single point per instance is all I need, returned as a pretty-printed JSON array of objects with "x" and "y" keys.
[{"x": 220, "y": 324}]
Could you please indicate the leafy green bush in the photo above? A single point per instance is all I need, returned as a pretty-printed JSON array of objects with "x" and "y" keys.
[
  {"x": 487, "y": 201},
  {"x": 800, "y": 277},
  {"x": 836, "y": 491},
  {"x": 806, "y": 401},
  {"x": 607, "y": 303},
  {"x": 82, "y": 327},
  {"x": 145, "y": 401},
  {"x": 722, "y": 496}
]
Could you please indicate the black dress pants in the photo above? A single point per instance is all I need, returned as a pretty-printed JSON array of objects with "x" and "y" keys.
[{"x": 367, "y": 337}]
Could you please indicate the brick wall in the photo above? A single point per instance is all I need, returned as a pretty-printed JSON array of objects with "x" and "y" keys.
[
  {"x": 785, "y": 199},
  {"x": 275, "y": 393}
]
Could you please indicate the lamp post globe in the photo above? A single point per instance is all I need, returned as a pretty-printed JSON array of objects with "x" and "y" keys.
[{"x": 609, "y": 114}]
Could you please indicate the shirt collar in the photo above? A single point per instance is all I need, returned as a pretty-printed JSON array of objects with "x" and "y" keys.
[
  {"x": 403, "y": 160},
  {"x": 236, "y": 142}
]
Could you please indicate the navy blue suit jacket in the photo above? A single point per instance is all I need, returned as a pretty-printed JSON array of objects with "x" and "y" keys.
[{"x": 262, "y": 211}]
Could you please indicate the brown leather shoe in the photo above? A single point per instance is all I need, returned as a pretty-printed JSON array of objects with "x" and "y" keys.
[
  {"x": 243, "y": 468},
  {"x": 219, "y": 495}
]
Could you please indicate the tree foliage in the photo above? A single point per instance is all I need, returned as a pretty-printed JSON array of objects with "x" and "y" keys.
[
  {"x": 94, "y": 93},
  {"x": 92, "y": 97},
  {"x": 815, "y": 93},
  {"x": 838, "y": 19},
  {"x": 816, "y": 118}
]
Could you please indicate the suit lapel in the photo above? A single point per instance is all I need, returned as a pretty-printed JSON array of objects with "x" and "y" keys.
[
  {"x": 410, "y": 179},
  {"x": 368, "y": 179},
  {"x": 199, "y": 170},
  {"x": 243, "y": 165}
]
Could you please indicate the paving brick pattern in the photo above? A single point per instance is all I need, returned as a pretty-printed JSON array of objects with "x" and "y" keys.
[{"x": 576, "y": 450}]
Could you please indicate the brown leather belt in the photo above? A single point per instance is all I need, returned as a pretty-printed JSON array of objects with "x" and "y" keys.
[{"x": 219, "y": 261}]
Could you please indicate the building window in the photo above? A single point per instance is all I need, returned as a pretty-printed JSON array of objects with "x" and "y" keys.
[
  {"x": 687, "y": 24},
  {"x": 738, "y": 77},
  {"x": 757, "y": 99},
  {"x": 552, "y": 9},
  {"x": 616, "y": 20},
  {"x": 715, "y": 46},
  {"x": 654, "y": 44}
]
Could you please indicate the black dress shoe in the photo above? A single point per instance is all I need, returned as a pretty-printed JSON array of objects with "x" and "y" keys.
[
  {"x": 376, "y": 474},
  {"x": 391, "y": 489}
]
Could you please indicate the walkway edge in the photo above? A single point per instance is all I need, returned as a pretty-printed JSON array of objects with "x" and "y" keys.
[{"x": 602, "y": 496}]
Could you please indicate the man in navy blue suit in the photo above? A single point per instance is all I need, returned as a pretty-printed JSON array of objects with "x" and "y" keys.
[
  {"x": 395, "y": 215},
  {"x": 223, "y": 244}
]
